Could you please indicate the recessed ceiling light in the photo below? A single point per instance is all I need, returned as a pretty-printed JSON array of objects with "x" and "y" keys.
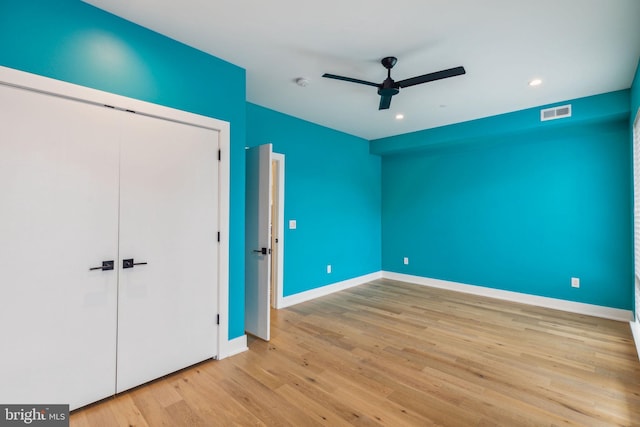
[
  {"x": 535, "y": 82},
  {"x": 399, "y": 116}
]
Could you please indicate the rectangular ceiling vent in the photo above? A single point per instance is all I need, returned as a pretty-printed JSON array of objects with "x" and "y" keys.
[{"x": 560, "y": 112}]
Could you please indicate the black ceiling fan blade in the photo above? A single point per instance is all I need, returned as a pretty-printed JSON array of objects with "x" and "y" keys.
[
  {"x": 451, "y": 72},
  {"x": 385, "y": 102},
  {"x": 349, "y": 79}
]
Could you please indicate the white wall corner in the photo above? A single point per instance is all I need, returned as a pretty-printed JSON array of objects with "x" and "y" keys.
[
  {"x": 553, "y": 303},
  {"x": 232, "y": 347},
  {"x": 290, "y": 300}
]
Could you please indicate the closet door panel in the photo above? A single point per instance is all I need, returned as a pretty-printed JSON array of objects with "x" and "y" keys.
[
  {"x": 168, "y": 219},
  {"x": 58, "y": 218}
]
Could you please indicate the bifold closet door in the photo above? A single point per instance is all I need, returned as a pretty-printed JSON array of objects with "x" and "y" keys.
[
  {"x": 168, "y": 219},
  {"x": 58, "y": 219}
]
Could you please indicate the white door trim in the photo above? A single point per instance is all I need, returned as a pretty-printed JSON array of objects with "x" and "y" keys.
[
  {"x": 635, "y": 322},
  {"x": 45, "y": 85},
  {"x": 279, "y": 285}
]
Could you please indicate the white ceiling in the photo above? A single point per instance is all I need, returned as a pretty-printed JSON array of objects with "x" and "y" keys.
[{"x": 578, "y": 48}]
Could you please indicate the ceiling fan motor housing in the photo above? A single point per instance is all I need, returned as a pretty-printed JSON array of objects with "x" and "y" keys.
[{"x": 388, "y": 88}]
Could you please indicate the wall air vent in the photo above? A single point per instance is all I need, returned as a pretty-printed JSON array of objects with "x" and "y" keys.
[{"x": 560, "y": 112}]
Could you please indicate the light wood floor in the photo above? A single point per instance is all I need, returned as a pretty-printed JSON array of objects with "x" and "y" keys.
[{"x": 395, "y": 354}]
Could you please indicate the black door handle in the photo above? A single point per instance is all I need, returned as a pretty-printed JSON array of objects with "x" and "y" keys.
[
  {"x": 128, "y": 263},
  {"x": 262, "y": 251},
  {"x": 106, "y": 265}
]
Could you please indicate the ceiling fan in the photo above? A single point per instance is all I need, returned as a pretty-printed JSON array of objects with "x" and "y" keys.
[{"x": 389, "y": 87}]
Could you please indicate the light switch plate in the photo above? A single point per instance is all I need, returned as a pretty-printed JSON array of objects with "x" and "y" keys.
[{"x": 292, "y": 224}]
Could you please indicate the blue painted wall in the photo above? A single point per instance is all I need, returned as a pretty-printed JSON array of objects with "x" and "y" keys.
[
  {"x": 75, "y": 42},
  {"x": 332, "y": 187},
  {"x": 511, "y": 203}
]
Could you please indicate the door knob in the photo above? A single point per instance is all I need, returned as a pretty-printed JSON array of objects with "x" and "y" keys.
[
  {"x": 106, "y": 265},
  {"x": 262, "y": 251},
  {"x": 128, "y": 263}
]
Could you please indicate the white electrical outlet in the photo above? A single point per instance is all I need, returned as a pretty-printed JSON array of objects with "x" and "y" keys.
[
  {"x": 575, "y": 282},
  {"x": 406, "y": 260},
  {"x": 328, "y": 268}
]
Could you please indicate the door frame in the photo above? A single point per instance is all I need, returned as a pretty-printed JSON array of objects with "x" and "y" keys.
[
  {"x": 53, "y": 87},
  {"x": 635, "y": 147},
  {"x": 278, "y": 286}
]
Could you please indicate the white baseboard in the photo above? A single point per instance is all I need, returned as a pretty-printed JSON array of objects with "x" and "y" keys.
[
  {"x": 635, "y": 330},
  {"x": 233, "y": 347},
  {"x": 290, "y": 300},
  {"x": 557, "y": 304}
]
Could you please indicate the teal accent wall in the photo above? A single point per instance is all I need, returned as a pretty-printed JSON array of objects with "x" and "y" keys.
[
  {"x": 511, "y": 203},
  {"x": 75, "y": 42},
  {"x": 332, "y": 190}
]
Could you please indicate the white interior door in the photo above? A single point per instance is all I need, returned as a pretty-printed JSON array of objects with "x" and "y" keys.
[
  {"x": 168, "y": 219},
  {"x": 58, "y": 218},
  {"x": 258, "y": 241}
]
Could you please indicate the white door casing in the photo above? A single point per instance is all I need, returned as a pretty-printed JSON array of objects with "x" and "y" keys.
[
  {"x": 274, "y": 241},
  {"x": 258, "y": 241},
  {"x": 277, "y": 221}
]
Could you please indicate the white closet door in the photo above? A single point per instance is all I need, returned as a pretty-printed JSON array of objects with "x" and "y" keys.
[
  {"x": 58, "y": 218},
  {"x": 168, "y": 219}
]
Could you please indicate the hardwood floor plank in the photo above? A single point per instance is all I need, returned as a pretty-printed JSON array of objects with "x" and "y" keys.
[
  {"x": 322, "y": 411},
  {"x": 126, "y": 412},
  {"x": 210, "y": 399},
  {"x": 397, "y": 354},
  {"x": 166, "y": 396},
  {"x": 376, "y": 407},
  {"x": 151, "y": 410}
]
